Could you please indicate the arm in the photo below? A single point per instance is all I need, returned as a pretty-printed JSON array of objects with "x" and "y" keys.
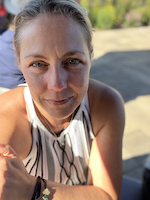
[
  {"x": 17, "y": 183},
  {"x": 108, "y": 122},
  {"x": 14, "y": 125},
  {"x": 105, "y": 159}
]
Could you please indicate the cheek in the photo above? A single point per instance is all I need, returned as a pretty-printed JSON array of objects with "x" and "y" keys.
[
  {"x": 81, "y": 79},
  {"x": 29, "y": 76},
  {"x": 35, "y": 82}
]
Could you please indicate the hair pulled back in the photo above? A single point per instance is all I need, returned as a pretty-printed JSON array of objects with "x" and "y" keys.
[{"x": 68, "y": 8}]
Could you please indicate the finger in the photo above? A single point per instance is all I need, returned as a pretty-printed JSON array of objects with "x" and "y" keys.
[{"x": 7, "y": 151}]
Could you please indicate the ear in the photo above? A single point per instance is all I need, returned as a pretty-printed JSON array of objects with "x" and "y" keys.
[{"x": 92, "y": 53}]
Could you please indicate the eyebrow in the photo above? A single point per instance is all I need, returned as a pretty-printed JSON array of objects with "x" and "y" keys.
[
  {"x": 35, "y": 56},
  {"x": 67, "y": 54},
  {"x": 73, "y": 52}
]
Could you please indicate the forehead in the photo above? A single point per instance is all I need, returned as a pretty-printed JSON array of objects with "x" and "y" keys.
[{"x": 56, "y": 31}]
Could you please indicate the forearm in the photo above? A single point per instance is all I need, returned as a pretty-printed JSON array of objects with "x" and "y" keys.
[{"x": 88, "y": 192}]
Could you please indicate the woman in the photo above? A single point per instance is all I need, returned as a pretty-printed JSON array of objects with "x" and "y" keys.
[{"x": 63, "y": 126}]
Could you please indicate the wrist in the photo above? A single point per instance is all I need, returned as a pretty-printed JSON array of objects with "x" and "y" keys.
[
  {"x": 45, "y": 192},
  {"x": 30, "y": 187},
  {"x": 37, "y": 189}
]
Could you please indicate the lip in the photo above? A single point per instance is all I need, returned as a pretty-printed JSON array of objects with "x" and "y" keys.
[{"x": 58, "y": 102}]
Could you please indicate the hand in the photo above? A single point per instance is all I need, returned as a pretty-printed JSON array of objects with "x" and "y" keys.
[{"x": 15, "y": 182}]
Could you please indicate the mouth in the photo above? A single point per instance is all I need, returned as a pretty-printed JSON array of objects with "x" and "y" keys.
[{"x": 58, "y": 101}]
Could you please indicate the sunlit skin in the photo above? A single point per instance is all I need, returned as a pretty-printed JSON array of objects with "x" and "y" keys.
[{"x": 56, "y": 66}]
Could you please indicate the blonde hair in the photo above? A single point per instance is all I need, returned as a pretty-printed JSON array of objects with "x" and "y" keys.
[{"x": 67, "y": 8}]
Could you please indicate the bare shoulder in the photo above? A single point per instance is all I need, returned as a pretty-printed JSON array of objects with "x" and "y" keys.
[
  {"x": 102, "y": 93},
  {"x": 12, "y": 100},
  {"x": 106, "y": 105},
  {"x": 13, "y": 119}
]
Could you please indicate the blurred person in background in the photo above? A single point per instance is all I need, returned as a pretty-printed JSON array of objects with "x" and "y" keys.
[
  {"x": 2, "y": 15},
  {"x": 10, "y": 74}
]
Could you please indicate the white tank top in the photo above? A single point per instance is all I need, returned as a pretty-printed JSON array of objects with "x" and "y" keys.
[{"x": 62, "y": 159}]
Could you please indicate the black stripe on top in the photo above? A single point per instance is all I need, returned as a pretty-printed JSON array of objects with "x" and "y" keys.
[
  {"x": 70, "y": 163},
  {"x": 38, "y": 155},
  {"x": 86, "y": 126}
]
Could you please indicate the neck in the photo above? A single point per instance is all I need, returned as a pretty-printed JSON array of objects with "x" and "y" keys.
[{"x": 54, "y": 126}]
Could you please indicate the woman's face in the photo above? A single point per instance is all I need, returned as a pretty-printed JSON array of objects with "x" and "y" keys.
[{"x": 55, "y": 61}]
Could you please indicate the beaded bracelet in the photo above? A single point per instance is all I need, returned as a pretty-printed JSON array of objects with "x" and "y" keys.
[
  {"x": 46, "y": 191},
  {"x": 37, "y": 190}
]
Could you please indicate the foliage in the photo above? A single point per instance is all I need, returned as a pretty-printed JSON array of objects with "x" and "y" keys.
[
  {"x": 85, "y": 4},
  {"x": 105, "y": 18},
  {"x": 133, "y": 18},
  {"x": 145, "y": 12},
  {"x": 107, "y": 14},
  {"x": 121, "y": 8}
]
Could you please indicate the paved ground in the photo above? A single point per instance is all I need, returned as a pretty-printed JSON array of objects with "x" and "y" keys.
[{"x": 122, "y": 60}]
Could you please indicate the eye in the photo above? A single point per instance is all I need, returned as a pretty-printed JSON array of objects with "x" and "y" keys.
[
  {"x": 74, "y": 61},
  {"x": 38, "y": 64}
]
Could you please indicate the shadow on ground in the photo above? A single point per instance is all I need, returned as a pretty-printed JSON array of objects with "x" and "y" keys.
[{"x": 128, "y": 72}]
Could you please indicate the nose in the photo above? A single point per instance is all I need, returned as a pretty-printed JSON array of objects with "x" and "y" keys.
[{"x": 57, "y": 79}]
